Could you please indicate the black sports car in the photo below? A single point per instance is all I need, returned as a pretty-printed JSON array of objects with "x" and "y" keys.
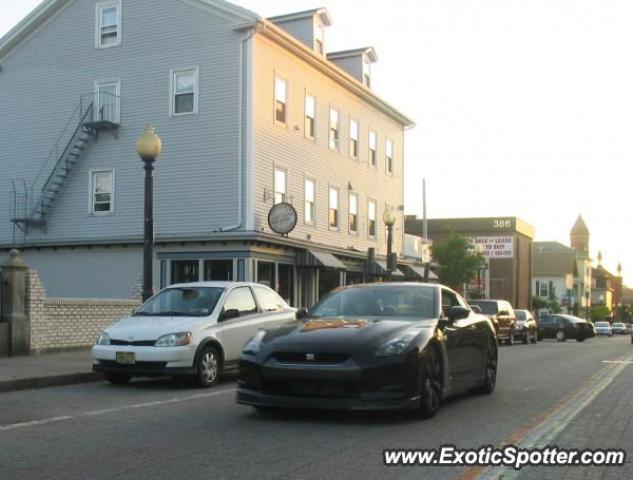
[{"x": 375, "y": 346}]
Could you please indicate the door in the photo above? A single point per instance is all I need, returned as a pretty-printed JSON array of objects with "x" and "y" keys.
[
  {"x": 461, "y": 343},
  {"x": 235, "y": 332},
  {"x": 107, "y": 102}
]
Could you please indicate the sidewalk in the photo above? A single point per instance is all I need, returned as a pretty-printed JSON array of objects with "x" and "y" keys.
[{"x": 46, "y": 370}]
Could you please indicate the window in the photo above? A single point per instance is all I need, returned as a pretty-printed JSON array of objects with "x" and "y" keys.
[
  {"x": 269, "y": 300},
  {"x": 241, "y": 299},
  {"x": 281, "y": 98},
  {"x": 218, "y": 270},
  {"x": 310, "y": 191},
  {"x": 335, "y": 124},
  {"x": 102, "y": 188},
  {"x": 108, "y": 24},
  {"x": 366, "y": 73},
  {"x": 389, "y": 156},
  {"x": 543, "y": 290},
  {"x": 184, "y": 88},
  {"x": 184, "y": 271},
  {"x": 371, "y": 218},
  {"x": 373, "y": 148},
  {"x": 333, "y": 212},
  {"x": 353, "y": 138},
  {"x": 266, "y": 273},
  {"x": 280, "y": 185},
  {"x": 318, "y": 40},
  {"x": 107, "y": 102},
  {"x": 310, "y": 119},
  {"x": 353, "y": 213}
]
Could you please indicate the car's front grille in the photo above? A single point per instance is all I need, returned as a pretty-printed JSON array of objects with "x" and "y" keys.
[
  {"x": 302, "y": 357},
  {"x": 136, "y": 343},
  {"x": 135, "y": 366},
  {"x": 312, "y": 388}
]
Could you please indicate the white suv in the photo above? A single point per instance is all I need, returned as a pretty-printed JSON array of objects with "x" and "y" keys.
[{"x": 196, "y": 329}]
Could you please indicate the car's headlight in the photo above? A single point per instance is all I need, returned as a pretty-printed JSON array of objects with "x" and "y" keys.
[
  {"x": 104, "y": 339},
  {"x": 174, "y": 340},
  {"x": 398, "y": 345},
  {"x": 254, "y": 344}
]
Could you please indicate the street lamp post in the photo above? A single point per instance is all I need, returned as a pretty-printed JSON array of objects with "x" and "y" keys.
[
  {"x": 389, "y": 218},
  {"x": 148, "y": 148}
]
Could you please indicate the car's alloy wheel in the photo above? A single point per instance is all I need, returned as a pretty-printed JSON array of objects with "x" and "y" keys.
[
  {"x": 490, "y": 373},
  {"x": 118, "y": 378},
  {"x": 208, "y": 367},
  {"x": 560, "y": 336},
  {"x": 510, "y": 340},
  {"x": 430, "y": 383},
  {"x": 534, "y": 339}
]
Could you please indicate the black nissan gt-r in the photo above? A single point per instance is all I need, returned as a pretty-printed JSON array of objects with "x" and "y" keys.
[{"x": 374, "y": 346}]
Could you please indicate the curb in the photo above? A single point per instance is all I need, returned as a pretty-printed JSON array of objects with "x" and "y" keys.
[{"x": 49, "y": 381}]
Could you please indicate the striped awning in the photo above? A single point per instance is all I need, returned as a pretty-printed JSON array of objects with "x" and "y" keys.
[
  {"x": 379, "y": 267},
  {"x": 418, "y": 271},
  {"x": 319, "y": 258}
]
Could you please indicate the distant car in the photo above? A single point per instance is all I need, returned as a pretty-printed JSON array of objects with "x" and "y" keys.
[
  {"x": 561, "y": 327},
  {"x": 374, "y": 346},
  {"x": 619, "y": 328},
  {"x": 502, "y": 315},
  {"x": 526, "y": 329},
  {"x": 196, "y": 329},
  {"x": 603, "y": 328}
]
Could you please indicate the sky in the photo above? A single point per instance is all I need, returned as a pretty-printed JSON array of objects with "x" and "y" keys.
[{"x": 522, "y": 107}]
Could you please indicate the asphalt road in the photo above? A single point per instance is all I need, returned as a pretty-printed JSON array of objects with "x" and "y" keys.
[{"x": 561, "y": 394}]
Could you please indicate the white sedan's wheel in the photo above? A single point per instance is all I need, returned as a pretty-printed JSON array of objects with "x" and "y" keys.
[
  {"x": 560, "y": 336},
  {"x": 208, "y": 367}
]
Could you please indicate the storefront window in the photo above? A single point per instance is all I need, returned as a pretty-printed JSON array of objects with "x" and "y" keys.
[
  {"x": 286, "y": 283},
  {"x": 218, "y": 270},
  {"x": 183, "y": 271},
  {"x": 266, "y": 273},
  {"x": 329, "y": 279}
]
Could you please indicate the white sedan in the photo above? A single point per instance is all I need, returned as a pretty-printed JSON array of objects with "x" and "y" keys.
[{"x": 196, "y": 329}]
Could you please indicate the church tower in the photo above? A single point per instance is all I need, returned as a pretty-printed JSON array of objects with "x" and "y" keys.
[{"x": 579, "y": 236}]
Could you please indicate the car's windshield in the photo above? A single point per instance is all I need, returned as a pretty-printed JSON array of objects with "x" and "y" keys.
[
  {"x": 619, "y": 325},
  {"x": 489, "y": 308},
  {"x": 521, "y": 314},
  {"x": 602, "y": 324},
  {"x": 417, "y": 302},
  {"x": 182, "y": 301}
]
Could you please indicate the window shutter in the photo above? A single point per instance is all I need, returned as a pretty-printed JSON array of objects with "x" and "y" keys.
[
  {"x": 538, "y": 289},
  {"x": 550, "y": 293}
]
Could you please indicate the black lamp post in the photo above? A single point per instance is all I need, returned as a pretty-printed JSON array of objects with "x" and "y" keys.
[
  {"x": 389, "y": 218},
  {"x": 148, "y": 148}
]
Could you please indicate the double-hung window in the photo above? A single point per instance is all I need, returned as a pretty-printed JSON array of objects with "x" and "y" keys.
[
  {"x": 102, "y": 192},
  {"x": 335, "y": 128},
  {"x": 108, "y": 24},
  {"x": 333, "y": 211},
  {"x": 389, "y": 156},
  {"x": 310, "y": 119},
  {"x": 353, "y": 213},
  {"x": 371, "y": 219},
  {"x": 281, "y": 100},
  {"x": 184, "y": 89},
  {"x": 280, "y": 185},
  {"x": 353, "y": 138},
  {"x": 373, "y": 148},
  {"x": 310, "y": 196}
]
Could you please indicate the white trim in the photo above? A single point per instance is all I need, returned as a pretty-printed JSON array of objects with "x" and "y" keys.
[
  {"x": 306, "y": 179},
  {"x": 388, "y": 141},
  {"x": 349, "y": 212},
  {"x": 356, "y": 157},
  {"x": 329, "y": 130},
  {"x": 375, "y": 203},
  {"x": 91, "y": 175},
  {"x": 104, "y": 82},
  {"x": 285, "y": 192},
  {"x": 286, "y": 120},
  {"x": 172, "y": 90},
  {"x": 99, "y": 7},
  {"x": 305, "y": 115},
  {"x": 338, "y": 207}
]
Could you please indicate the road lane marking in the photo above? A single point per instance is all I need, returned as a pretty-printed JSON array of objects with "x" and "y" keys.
[
  {"x": 103, "y": 411},
  {"x": 618, "y": 362},
  {"x": 548, "y": 425}
]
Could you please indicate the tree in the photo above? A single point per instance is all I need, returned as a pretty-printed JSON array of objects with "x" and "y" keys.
[
  {"x": 599, "y": 312},
  {"x": 457, "y": 260}
]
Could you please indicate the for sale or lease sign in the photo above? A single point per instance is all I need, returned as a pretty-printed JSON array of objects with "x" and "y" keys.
[{"x": 495, "y": 247}]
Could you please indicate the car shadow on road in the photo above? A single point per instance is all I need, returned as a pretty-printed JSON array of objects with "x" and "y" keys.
[{"x": 173, "y": 383}]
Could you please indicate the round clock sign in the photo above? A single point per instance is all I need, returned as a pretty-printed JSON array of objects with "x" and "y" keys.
[{"x": 282, "y": 218}]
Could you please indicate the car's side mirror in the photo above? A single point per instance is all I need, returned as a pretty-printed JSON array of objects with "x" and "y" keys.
[
  {"x": 301, "y": 313},
  {"x": 458, "y": 313},
  {"x": 229, "y": 314}
]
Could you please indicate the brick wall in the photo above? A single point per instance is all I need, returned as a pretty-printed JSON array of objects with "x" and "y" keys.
[{"x": 58, "y": 323}]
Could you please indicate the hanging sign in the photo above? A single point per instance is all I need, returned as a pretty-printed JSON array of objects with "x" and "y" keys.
[{"x": 282, "y": 218}]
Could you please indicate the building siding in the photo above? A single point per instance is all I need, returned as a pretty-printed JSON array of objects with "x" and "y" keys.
[{"x": 287, "y": 147}]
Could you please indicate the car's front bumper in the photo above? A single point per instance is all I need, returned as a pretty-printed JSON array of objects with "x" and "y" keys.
[
  {"x": 149, "y": 361},
  {"x": 392, "y": 385}
]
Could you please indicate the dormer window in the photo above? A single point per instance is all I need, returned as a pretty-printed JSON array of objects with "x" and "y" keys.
[
  {"x": 318, "y": 40},
  {"x": 108, "y": 24},
  {"x": 366, "y": 73}
]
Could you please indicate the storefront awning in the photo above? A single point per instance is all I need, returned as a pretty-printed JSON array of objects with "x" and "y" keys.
[
  {"x": 379, "y": 267},
  {"x": 318, "y": 258},
  {"x": 418, "y": 271}
]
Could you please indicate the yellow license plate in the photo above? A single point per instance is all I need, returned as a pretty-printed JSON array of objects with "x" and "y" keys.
[{"x": 125, "y": 358}]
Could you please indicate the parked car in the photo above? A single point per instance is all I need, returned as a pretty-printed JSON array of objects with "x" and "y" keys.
[
  {"x": 376, "y": 346},
  {"x": 561, "y": 327},
  {"x": 603, "y": 328},
  {"x": 502, "y": 315},
  {"x": 526, "y": 326},
  {"x": 196, "y": 329},
  {"x": 620, "y": 328}
]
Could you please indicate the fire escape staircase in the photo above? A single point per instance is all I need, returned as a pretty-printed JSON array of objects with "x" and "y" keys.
[{"x": 32, "y": 204}]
